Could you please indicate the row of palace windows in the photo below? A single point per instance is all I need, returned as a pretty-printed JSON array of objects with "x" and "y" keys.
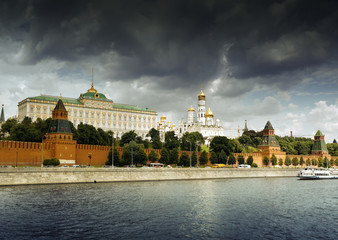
[{"x": 89, "y": 114}]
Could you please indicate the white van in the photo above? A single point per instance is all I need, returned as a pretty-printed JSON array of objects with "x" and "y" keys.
[{"x": 244, "y": 166}]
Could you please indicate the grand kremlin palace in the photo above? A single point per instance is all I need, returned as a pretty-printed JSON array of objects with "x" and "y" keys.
[{"x": 93, "y": 108}]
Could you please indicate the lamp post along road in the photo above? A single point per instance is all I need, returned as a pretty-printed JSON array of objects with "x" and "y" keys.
[
  {"x": 42, "y": 151},
  {"x": 132, "y": 158}
]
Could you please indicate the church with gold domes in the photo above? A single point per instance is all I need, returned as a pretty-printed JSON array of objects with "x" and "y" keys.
[{"x": 201, "y": 121}]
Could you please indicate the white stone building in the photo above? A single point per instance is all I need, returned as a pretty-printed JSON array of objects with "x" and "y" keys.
[
  {"x": 95, "y": 109},
  {"x": 203, "y": 123}
]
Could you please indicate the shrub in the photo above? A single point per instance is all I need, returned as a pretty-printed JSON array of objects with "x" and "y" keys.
[
  {"x": 51, "y": 162},
  {"x": 254, "y": 165}
]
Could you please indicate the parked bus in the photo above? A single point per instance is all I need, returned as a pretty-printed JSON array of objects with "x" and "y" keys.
[{"x": 155, "y": 165}]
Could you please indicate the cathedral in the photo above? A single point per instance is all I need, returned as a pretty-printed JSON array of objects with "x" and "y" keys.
[
  {"x": 203, "y": 121},
  {"x": 93, "y": 108}
]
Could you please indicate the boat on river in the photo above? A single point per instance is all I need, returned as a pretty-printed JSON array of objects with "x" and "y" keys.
[{"x": 318, "y": 173}]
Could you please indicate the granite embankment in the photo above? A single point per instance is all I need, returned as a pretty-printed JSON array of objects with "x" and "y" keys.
[{"x": 22, "y": 176}]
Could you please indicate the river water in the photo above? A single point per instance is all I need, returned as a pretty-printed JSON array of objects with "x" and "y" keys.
[{"x": 262, "y": 208}]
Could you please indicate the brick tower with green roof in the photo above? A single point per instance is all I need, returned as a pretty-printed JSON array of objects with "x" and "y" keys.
[
  {"x": 60, "y": 135},
  {"x": 269, "y": 138},
  {"x": 269, "y": 144},
  {"x": 319, "y": 146}
]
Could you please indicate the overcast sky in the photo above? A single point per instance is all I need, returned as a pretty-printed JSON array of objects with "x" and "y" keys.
[{"x": 256, "y": 60}]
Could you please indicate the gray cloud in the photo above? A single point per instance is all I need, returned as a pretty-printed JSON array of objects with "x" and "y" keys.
[{"x": 181, "y": 40}]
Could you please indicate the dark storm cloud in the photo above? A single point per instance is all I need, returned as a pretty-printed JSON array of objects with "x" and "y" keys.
[{"x": 184, "y": 41}]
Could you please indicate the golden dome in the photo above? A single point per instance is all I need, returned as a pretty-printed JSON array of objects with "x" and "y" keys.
[
  {"x": 191, "y": 109},
  {"x": 163, "y": 118},
  {"x": 209, "y": 113},
  {"x": 201, "y": 95},
  {"x": 92, "y": 89}
]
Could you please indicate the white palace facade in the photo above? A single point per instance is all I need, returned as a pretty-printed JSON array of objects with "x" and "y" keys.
[{"x": 95, "y": 109}]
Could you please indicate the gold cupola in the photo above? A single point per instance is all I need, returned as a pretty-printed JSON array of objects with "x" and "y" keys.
[
  {"x": 92, "y": 89},
  {"x": 163, "y": 118},
  {"x": 201, "y": 95},
  {"x": 209, "y": 113},
  {"x": 191, "y": 109}
]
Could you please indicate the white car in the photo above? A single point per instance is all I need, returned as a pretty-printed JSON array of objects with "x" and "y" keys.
[{"x": 244, "y": 166}]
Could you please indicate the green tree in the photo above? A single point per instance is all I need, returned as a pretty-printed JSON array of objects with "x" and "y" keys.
[
  {"x": 245, "y": 140},
  {"x": 6, "y": 127},
  {"x": 320, "y": 162},
  {"x": 266, "y": 161},
  {"x": 250, "y": 160},
  {"x": 87, "y": 134},
  {"x": 24, "y": 132},
  {"x": 194, "y": 159},
  {"x": 273, "y": 160},
  {"x": 141, "y": 157},
  {"x": 219, "y": 143},
  {"x": 331, "y": 162},
  {"x": 128, "y": 137},
  {"x": 231, "y": 160},
  {"x": 256, "y": 141},
  {"x": 336, "y": 162},
  {"x": 222, "y": 158},
  {"x": 287, "y": 161},
  {"x": 184, "y": 160},
  {"x": 301, "y": 161},
  {"x": 213, "y": 158},
  {"x": 314, "y": 162},
  {"x": 171, "y": 140},
  {"x": 191, "y": 139},
  {"x": 173, "y": 156},
  {"x": 240, "y": 159},
  {"x": 308, "y": 162},
  {"x": 165, "y": 156},
  {"x": 280, "y": 162},
  {"x": 117, "y": 161},
  {"x": 295, "y": 161},
  {"x": 153, "y": 156},
  {"x": 133, "y": 154},
  {"x": 155, "y": 138},
  {"x": 204, "y": 158},
  {"x": 326, "y": 162}
]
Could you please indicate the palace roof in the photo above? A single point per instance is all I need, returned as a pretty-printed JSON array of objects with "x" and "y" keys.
[{"x": 66, "y": 100}]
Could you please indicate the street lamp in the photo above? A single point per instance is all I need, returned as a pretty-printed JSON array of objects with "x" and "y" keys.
[
  {"x": 43, "y": 137},
  {"x": 112, "y": 152},
  {"x": 132, "y": 157}
]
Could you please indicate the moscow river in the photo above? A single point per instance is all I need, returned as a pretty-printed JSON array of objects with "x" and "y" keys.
[{"x": 250, "y": 208}]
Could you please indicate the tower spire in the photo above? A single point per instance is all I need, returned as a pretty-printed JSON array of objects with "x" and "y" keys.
[
  {"x": 2, "y": 116},
  {"x": 92, "y": 78}
]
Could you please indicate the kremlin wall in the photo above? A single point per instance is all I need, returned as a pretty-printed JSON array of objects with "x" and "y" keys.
[{"x": 59, "y": 143}]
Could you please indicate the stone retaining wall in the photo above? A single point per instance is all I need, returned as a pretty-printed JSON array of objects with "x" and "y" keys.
[{"x": 22, "y": 176}]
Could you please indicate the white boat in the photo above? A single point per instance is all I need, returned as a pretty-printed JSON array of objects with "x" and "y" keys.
[{"x": 318, "y": 173}]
